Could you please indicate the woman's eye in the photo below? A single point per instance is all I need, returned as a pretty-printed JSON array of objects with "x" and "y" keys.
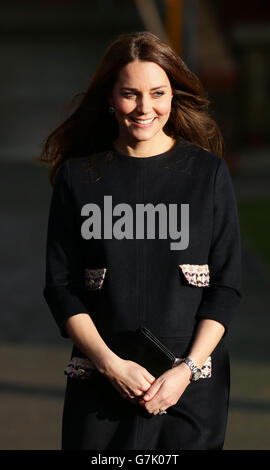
[{"x": 157, "y": 93}]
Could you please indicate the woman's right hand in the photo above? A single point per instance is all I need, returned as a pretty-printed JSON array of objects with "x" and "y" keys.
[{"x": 130, "y": 379}]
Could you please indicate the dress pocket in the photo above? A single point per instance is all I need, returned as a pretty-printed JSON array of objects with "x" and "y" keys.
[
  {"x": 79, "y": 368},
  {"x": 206, "y": 370},
  {"x": 94, "y": 278},
  {"x": 196, "y": 274}
]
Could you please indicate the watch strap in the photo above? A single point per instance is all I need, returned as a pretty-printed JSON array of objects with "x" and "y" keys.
[{"x": 194, "y": 369}]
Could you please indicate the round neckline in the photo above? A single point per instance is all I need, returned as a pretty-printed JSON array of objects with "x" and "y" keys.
[{"x": 147, "y": 160}]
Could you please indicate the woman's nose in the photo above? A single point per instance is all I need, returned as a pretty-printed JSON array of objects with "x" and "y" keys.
[{"x": 144, "y": 105}]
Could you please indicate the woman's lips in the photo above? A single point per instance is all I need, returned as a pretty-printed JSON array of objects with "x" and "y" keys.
[{"x": 138, "y": 124}]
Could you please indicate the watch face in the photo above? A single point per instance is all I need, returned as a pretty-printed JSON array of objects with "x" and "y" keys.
[{"x": 196, "y": 375}]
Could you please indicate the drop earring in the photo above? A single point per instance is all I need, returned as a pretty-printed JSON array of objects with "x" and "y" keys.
[{"x": 111, "y": 109}]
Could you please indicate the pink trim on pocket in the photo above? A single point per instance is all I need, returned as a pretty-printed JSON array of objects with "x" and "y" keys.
[
  {"x": 207, "y": 369},
  {"x": 196, "y": 274},
  {"x": 79, "y": 368},
  {"x": 94, "y": 278}
]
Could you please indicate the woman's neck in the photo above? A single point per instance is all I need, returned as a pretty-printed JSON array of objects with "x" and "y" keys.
[{"x": 144, "y": 148}]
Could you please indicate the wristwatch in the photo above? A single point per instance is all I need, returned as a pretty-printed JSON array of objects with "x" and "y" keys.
[{"x": 195, "y": 371}]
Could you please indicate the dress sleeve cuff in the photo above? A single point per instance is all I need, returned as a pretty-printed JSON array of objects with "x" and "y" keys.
[
  {"x": 219, "y": 304},
  {"x": 64, "y": 303}
]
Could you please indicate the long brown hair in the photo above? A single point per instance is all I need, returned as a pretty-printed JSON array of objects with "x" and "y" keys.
[{"x": 82, "y": 133}]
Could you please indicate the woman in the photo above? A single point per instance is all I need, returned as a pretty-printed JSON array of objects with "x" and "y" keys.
[{"x": 141, "y": 137}]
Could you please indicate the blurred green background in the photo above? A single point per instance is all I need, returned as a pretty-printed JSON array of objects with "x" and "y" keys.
[{"x": 49, "y": 50}]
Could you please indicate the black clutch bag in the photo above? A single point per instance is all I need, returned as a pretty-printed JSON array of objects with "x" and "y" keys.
[{"x": 146, "y": 349}]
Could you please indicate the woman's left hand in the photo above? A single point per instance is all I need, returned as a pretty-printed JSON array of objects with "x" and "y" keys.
[{"x": 166, "y": 390}]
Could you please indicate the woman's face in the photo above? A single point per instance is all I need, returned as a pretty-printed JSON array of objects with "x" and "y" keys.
[{"x": 142, "y": 100}]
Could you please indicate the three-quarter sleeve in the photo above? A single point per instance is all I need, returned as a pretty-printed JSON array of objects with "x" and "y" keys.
[
  {"x": 221, "y": 298},
  {"x": 63, "y": 290}
]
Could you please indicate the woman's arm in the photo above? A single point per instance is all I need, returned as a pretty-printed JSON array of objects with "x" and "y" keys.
[
  {"x": 208, "y": 334},
  {"x": 82, "y": 331},
  {"x": 220, "y": 299},
  {"x": 65, "y": 294}
]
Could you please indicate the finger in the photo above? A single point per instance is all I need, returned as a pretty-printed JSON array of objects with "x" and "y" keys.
[
  {"x": 150, "y": 378},
  {"x": 123, "y": 393},
  {"x": 152, "y": 391}
]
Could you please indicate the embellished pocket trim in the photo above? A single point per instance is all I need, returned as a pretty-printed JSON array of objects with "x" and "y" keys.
[
  {"x": 94, "y": 278},
  {"x": 196, "y": 274},
  {"x": 79, "y": 368},
  {"x": 206, "y": 370}
]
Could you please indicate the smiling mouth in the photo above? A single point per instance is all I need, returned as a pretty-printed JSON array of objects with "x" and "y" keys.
[{"x": 143, "y": 122}]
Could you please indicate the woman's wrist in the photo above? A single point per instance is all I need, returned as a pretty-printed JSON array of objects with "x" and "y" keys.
[
  {"x": 109, "y": 363},
  {"x": 183, "y": 370},
  {"x": 197, "y": 360}
]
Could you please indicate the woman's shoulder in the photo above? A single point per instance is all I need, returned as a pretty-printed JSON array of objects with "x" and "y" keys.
[
  {"x": 82, "y": 162},
  {"x": 86, "y": 168},
  {"x": 200, "y": 153},
  {"x": 197, "y": 158},
  {"x": 79, "y": 160}
]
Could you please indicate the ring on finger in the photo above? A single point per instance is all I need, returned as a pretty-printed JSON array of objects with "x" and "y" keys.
[{"x": 161, "y": 412}]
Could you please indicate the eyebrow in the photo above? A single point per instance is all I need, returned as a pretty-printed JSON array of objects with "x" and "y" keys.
[{"x": 134, "y": 89}]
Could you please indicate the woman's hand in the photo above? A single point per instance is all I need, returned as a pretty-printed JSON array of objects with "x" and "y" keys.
[
  {"x": 166, "y": 390},
  {"x": 130, "y": 379}
]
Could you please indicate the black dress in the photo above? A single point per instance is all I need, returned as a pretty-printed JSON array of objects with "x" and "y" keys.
[{"x": 179, "y": 263}]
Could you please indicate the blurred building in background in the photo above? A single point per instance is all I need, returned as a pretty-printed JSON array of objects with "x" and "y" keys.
[{"x": 49, "y": 49}]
